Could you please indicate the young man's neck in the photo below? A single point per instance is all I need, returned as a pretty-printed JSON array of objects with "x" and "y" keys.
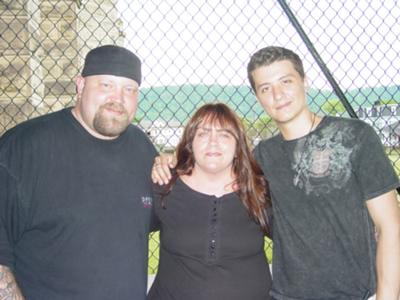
[{"x": 300, "y": 126}]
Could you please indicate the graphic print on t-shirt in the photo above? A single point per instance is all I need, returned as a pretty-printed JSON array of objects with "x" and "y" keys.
[
  {"x": 321, "y": 162},
  {"x": 147, "y": 201}
]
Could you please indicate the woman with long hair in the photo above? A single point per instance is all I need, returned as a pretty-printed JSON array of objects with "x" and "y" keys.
[{"x": 213, "y": 215}]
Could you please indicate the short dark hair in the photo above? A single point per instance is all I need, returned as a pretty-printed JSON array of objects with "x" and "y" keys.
[{"x": 269, "y": 55}]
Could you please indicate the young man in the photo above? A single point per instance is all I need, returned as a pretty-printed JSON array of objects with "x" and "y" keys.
[
  {"x": 75, "y": 195},
  {"x": 336, "y": 225},
  {"x": 333, "y": 193}
]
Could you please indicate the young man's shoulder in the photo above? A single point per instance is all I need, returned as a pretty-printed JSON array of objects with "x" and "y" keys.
[
  {"x": 331, "y": 124},
  {"x": 350, "y": 129},
  {"x": 270, "y": 141},
  {"x": 347, "y": 122}
]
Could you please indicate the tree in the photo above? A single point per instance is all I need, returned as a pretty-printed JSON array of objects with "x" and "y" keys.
[
  {"x": 261, "y": 128},
  {"x": 386, "y": 102},
  {"x": 333, "y": 107}
]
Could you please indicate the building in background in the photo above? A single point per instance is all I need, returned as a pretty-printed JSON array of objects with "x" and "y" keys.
[
  {"x": 386, "y": 121},
  {"x": 42, "y": 47},
  {"x": 164, "y": 134}
]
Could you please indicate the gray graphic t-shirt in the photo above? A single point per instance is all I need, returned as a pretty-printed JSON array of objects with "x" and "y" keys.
[{"x": 324, "y": 242}]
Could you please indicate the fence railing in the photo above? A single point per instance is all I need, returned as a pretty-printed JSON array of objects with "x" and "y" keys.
[{"x": 197, "y": 51}]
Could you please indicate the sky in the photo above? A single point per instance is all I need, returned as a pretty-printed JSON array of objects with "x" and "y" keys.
[{"x": 207, "y": 42}]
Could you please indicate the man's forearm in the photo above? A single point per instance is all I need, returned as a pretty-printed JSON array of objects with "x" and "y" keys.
[
  {"x": 385, "y": 213},
  {"x": 388, "y": 267},
  {"x": 9, "y": 289}
]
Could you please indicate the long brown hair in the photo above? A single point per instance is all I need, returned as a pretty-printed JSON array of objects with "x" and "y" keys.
[{"x": 250, "y": 183}]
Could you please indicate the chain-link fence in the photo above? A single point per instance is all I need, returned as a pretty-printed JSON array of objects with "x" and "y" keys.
[{"x": 197, "y": 51}]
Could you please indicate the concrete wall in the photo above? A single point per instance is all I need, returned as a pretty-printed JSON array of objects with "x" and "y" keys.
[{"x": 42, "y": 47}]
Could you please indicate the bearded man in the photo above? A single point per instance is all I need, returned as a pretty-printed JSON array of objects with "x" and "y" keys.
[{"x": 75, "y": 192}]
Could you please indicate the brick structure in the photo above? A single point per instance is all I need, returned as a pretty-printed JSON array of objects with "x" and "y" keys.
[{"x": 42, "y": 46}]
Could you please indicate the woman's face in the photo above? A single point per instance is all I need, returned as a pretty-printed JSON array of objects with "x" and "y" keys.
[{"x": 214, "y": 148}]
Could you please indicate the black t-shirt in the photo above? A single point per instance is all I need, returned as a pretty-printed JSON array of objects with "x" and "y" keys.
[
  {"x": 210, "y": 249},
  {"x": 75, "y": 210},
  {"x": 324, "y": 246}
]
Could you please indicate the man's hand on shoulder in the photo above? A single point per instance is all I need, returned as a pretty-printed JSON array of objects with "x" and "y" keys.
[{"x": 161, "y": 172}]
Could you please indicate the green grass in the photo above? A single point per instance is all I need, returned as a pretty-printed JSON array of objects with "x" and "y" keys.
[
  {"x": 154, "y": 242},
  {"x": 268, "y": 249}
]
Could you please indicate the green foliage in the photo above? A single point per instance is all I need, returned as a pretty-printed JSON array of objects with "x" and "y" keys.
[
  {"x": 261, "y": 128},
  {"x": 137, "y": 119},
  {"x": 179, "y": 102},
  {"x": 333, "y": 107},
  {"x": 154, "y": 248},
  {"x": 386, "y": 102}
]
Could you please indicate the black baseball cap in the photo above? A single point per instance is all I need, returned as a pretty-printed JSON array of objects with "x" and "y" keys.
[{"x": 113, "y": 60}]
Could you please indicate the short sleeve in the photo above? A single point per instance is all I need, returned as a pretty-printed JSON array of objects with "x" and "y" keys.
[
  {"x": 374, "y": 170},
  {"x": 263, "y": 157},
  {"x": 8, "y": 228},
  {"x": 257, "y": 154},
  {"x": 157, "y": 195}
]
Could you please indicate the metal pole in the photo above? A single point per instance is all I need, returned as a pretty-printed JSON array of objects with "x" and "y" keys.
[
  {"x": 317, "y": 57},
  {"x": 320, "y": 62}
]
